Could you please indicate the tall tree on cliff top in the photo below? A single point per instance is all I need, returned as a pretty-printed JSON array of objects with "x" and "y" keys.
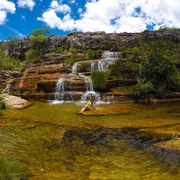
[{"x": 38, "y": 38}]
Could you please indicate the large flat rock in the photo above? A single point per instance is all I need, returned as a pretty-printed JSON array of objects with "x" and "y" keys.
[
  {"x": 14, "y": 102},
  {"x": 103, "y": 111}
]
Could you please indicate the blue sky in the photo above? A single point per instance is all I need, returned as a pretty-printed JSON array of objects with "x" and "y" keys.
[{"x": 20, "y": 17}]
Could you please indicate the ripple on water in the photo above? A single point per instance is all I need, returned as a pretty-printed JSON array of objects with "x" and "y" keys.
[{"x": 54, "y": 152}]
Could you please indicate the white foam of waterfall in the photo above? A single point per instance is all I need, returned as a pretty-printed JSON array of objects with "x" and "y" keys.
[
  {"x": 93, "y": 94},
  {"x": 74, "y": 68},
  {"x": 63, "y": 92},
  {"x": 107, "y": 59},
  {"x": 88, "y": 82},
  {"x": 107, "y": 55},
  {"x": 104, "y": 63},
  {"x": 92, "y": 66},
  {"x": 89, "y": 91}
]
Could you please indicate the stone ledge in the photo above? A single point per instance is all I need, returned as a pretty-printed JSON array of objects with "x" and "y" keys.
[{"x": 14, "y": 102}]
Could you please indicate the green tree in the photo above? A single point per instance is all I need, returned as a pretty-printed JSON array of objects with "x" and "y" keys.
[
  {"x": 38, "y": 37},
  {"x": 159, "y": 66},
  {"x": 124, "y": 70},
  {"x": 94, "y": 54},
  {"x": 142, "y": 90}
]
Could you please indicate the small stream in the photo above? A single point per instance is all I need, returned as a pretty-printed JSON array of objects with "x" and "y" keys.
[{"x": 79, "y": 151}]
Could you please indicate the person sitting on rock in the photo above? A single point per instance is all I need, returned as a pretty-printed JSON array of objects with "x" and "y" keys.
[{"x": 88, "y": 106}]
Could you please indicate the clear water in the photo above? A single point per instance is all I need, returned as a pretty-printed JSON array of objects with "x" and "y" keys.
[{"x": 57, "y": 143}]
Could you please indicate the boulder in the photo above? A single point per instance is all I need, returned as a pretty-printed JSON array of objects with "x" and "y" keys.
[{"x": 14, "y": 102}]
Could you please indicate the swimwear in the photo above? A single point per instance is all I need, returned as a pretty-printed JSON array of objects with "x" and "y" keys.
[{"x": 89, "y": 103}]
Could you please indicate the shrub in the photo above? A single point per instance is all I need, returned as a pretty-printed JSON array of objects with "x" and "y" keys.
[
  {"x": 11, "y": 170},
  {"x": 82, "y": 68},
  {"x": 72, "y": 60},
  {"x": 7, "y": 62},
  {"x": 94, "y": 54},
  {"x": 124, "y": 69},
  {"x": 74, "y": 50},
  {"x": 99, "y": 79},
  {"x": 2, "y": 105},
  {"x": 142, "y": 90},
  {"x": 33, "y": 56}
]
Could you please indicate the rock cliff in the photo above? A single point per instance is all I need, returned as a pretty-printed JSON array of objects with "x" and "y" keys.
[
  {"x": 39, "y": 80},
  {"x": 91, "y": 40}
]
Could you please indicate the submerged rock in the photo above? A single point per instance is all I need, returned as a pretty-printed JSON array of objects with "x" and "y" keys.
[
  {"x": 102, "y": 111},
  {"x": 14, "y": 102},
  {"x": 173, "y": 144}
]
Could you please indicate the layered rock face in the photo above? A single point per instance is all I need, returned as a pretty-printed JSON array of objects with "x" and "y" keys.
[
  {"x": 40, "y": 80},
  {"x": 42, "y": 77},
  {"x": 91, "y": 40}
]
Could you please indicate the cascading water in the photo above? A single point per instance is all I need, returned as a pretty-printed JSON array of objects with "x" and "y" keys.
[
  {"x": 92, "y": 66},
  {"x": 107, "y": 59},
  {"x": 7, "y": 89},
  {"x": 89, "y": 90},
  {"x": 74, "y": 68},
  {"x": 64, "y": 92},
  {"x": 107, "y": 55},
  {"x": 103, "y": 64},
  {"x": 65, "y": 89},
  {"x": 88, "y": 82}
]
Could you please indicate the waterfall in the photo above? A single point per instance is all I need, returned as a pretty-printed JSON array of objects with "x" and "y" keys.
[
  {"x": 74, "y": 68},
  {"x": 70, "y": 86},
  {"x": 113, "y": 55},
  {"x": 92, "y": 66},
  {"x": 7, "y": 89},
  {"x": 64, "y": 92},
  {"x": 107, "y": 59},
  {"x": 88, "y": 82},
  {"x": 104, "y": 63},
  {"x": 89, "y": 90}
]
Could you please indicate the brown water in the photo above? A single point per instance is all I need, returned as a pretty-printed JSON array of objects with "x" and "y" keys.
[{"x": 57, "y": 143}]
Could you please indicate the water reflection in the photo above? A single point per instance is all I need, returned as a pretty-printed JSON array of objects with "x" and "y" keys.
[
  {"x": 60, "y": 152},
  {"x": 57, "y": 143}
]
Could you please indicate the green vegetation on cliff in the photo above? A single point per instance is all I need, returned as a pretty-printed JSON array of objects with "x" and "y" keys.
[{"x": 153, "y": 64}]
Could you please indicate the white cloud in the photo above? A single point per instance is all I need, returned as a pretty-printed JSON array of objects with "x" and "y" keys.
[
  {"x": 26, "y": 4},
  {"x": 2, "y": 17},
  {"x": 61, "y": 8},
  {"x": 50, "y": 18},
  {"x": 5, "y": 7},
  {"x": 113, "y": 15}
]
